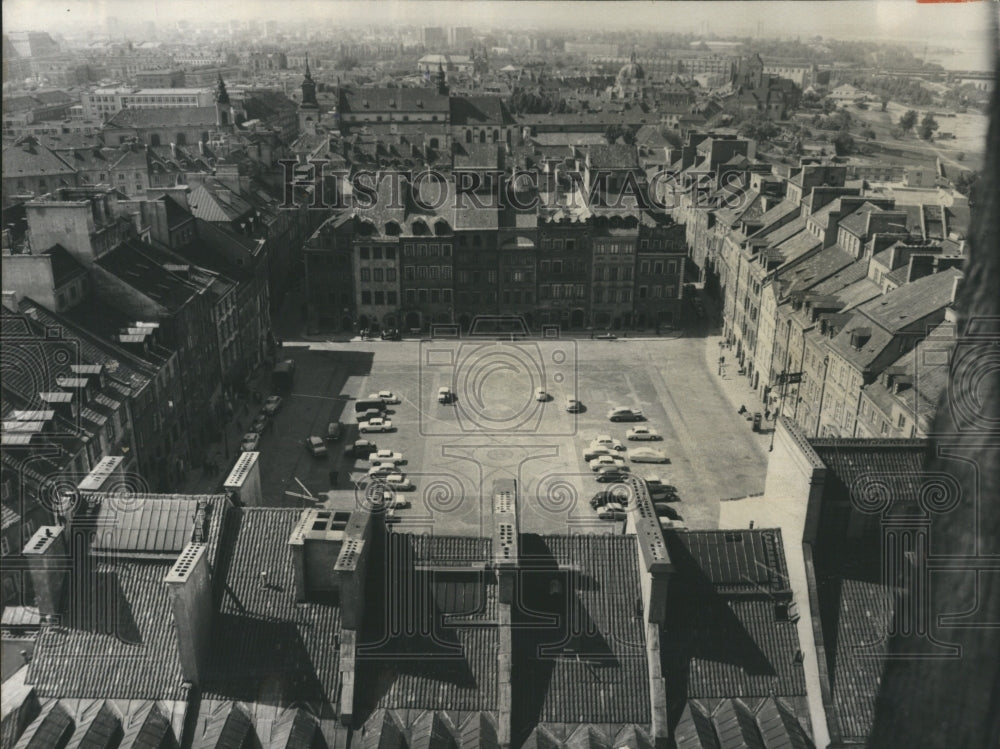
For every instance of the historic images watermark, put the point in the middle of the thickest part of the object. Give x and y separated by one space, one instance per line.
316 186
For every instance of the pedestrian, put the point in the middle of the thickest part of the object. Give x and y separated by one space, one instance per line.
767 414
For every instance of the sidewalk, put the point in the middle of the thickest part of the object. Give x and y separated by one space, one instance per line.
202 481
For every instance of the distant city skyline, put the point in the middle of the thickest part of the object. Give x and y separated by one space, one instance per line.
901 20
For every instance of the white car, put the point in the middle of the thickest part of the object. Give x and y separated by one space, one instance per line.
381 469
272 404
445 395
375 425
573 405
608 441
606 461
386 396
648 455
400 483
250 442
386 455
642 433
316 446
540 395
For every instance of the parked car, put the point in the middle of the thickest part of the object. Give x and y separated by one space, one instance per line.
360 449
386 396
316 446
648 455
445 395
381 469
259 422
612 474
603 461
664 510
272 404
334 431
619 494
608 441
398 482
611 511
621 413
668 524
391 334
607 337
595 451
659 490
643 434
371 413
250 442
540 395
375 425
386 455
573 406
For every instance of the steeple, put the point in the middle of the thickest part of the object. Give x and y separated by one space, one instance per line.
442 80
309 88
221 95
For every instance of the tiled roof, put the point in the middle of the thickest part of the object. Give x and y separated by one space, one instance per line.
394 99
479 110
476 155
727 632
587 663
214 201
783 232
161 118
450 660
740 724
857 222
31 159
141 266
262 639
912 301
121 646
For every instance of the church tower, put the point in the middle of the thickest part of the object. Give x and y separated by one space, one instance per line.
309 108
223 107
442 81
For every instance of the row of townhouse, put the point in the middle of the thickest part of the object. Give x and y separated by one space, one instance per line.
186 295
826 293
550 255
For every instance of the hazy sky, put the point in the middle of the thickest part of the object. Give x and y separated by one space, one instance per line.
901 19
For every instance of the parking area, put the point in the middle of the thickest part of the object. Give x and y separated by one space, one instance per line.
495 427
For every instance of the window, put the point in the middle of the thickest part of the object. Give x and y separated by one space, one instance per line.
422 296
422 272
411 296
379 297
491 276
390 297
435 272
557 244
363 253
366 274
446 272
390 274
390 253
544 266
435 250
377 274
644 267
580 292
626 295
643 292
671 267
4 546
644 244
407 250
570 244
902 421
657 292
408 273
446 295
658 268
446 250
376 253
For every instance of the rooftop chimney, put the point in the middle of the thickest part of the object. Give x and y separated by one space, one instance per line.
49 565
505 537
189 585
655 566
243 485
329 554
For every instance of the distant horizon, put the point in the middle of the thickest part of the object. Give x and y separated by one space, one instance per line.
899 21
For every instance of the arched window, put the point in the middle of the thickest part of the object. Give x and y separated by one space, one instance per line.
420 228
441 227
392 229
468 135
181 139
482 136
434 143
154 139
496 136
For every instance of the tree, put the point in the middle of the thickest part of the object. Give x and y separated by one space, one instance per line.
843 143
927 126
757 127
868 134
908 120
613 133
